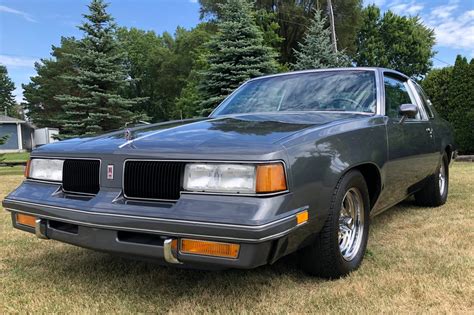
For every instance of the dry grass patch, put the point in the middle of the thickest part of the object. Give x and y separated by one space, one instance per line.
418 260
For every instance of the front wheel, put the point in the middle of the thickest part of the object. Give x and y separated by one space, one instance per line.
340 246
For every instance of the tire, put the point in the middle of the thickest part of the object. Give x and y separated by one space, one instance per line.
435 192
326 256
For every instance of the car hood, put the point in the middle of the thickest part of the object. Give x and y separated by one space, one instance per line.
247 131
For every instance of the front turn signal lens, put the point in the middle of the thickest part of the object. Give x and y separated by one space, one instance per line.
27 168
27 220
270 178
208 248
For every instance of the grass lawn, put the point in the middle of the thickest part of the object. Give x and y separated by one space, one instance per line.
12 170
418 260
16 157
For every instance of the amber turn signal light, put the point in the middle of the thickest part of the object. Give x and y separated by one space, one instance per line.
302 217
208 248
27 169
27 220
270 178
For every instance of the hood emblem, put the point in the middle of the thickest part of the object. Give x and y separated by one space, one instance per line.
128 135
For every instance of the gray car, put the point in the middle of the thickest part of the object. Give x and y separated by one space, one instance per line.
291 162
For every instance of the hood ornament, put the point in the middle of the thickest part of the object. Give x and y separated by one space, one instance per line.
128 135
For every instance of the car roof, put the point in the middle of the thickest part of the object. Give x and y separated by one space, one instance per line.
376 69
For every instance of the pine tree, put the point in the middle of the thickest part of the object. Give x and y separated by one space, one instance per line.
237 53
316 52
7 100
101 76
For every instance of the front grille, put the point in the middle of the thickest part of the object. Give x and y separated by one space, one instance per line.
81 176
153 179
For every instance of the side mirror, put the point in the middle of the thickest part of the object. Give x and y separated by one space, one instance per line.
407 111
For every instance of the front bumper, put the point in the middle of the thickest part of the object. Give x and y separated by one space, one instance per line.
147 237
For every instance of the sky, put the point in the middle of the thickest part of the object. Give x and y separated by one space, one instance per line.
28 28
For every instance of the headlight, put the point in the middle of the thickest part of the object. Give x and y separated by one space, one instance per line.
234 178
46 169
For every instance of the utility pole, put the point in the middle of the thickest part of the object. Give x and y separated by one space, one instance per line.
332 26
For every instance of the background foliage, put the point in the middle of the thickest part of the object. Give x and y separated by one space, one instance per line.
83 88
7 100
451 92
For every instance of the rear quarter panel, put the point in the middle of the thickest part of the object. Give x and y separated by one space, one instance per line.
443 134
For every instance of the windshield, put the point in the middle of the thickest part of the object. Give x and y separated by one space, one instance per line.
347 90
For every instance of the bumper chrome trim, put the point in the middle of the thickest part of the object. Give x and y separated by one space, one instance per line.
247 227
168 252
40 229
118 228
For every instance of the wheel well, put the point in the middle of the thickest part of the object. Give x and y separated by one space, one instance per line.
449 152
372 179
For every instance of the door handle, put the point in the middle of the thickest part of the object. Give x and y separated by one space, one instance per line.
430 131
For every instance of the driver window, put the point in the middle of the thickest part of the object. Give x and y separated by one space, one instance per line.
396 94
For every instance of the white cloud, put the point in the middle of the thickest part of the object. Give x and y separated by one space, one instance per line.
406 8
453 27
25 15
193 1
17 61
453 21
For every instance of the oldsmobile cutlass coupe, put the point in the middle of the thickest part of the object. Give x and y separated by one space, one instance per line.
291 162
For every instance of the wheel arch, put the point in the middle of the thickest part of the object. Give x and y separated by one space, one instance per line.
449 151
373 179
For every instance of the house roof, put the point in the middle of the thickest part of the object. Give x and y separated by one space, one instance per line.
11 120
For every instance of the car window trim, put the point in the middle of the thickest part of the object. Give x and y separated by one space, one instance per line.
416 101
411 94
422 95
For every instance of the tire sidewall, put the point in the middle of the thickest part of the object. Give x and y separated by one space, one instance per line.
443 197
350 180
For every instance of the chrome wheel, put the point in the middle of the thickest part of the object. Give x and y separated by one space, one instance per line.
442 179
351 224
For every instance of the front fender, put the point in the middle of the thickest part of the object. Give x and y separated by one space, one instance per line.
320 157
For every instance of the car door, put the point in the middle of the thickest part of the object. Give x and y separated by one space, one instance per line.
410 143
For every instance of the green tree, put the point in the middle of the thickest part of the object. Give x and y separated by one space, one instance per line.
189 101
461 103
41 105
393 41
294 17
436 86
450 91
315 51
161 66
101 77
7 100
3 140
147 53
237 53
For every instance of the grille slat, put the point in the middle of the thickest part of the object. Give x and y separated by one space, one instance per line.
159 180
81 176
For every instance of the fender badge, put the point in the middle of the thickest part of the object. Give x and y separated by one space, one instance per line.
110 171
